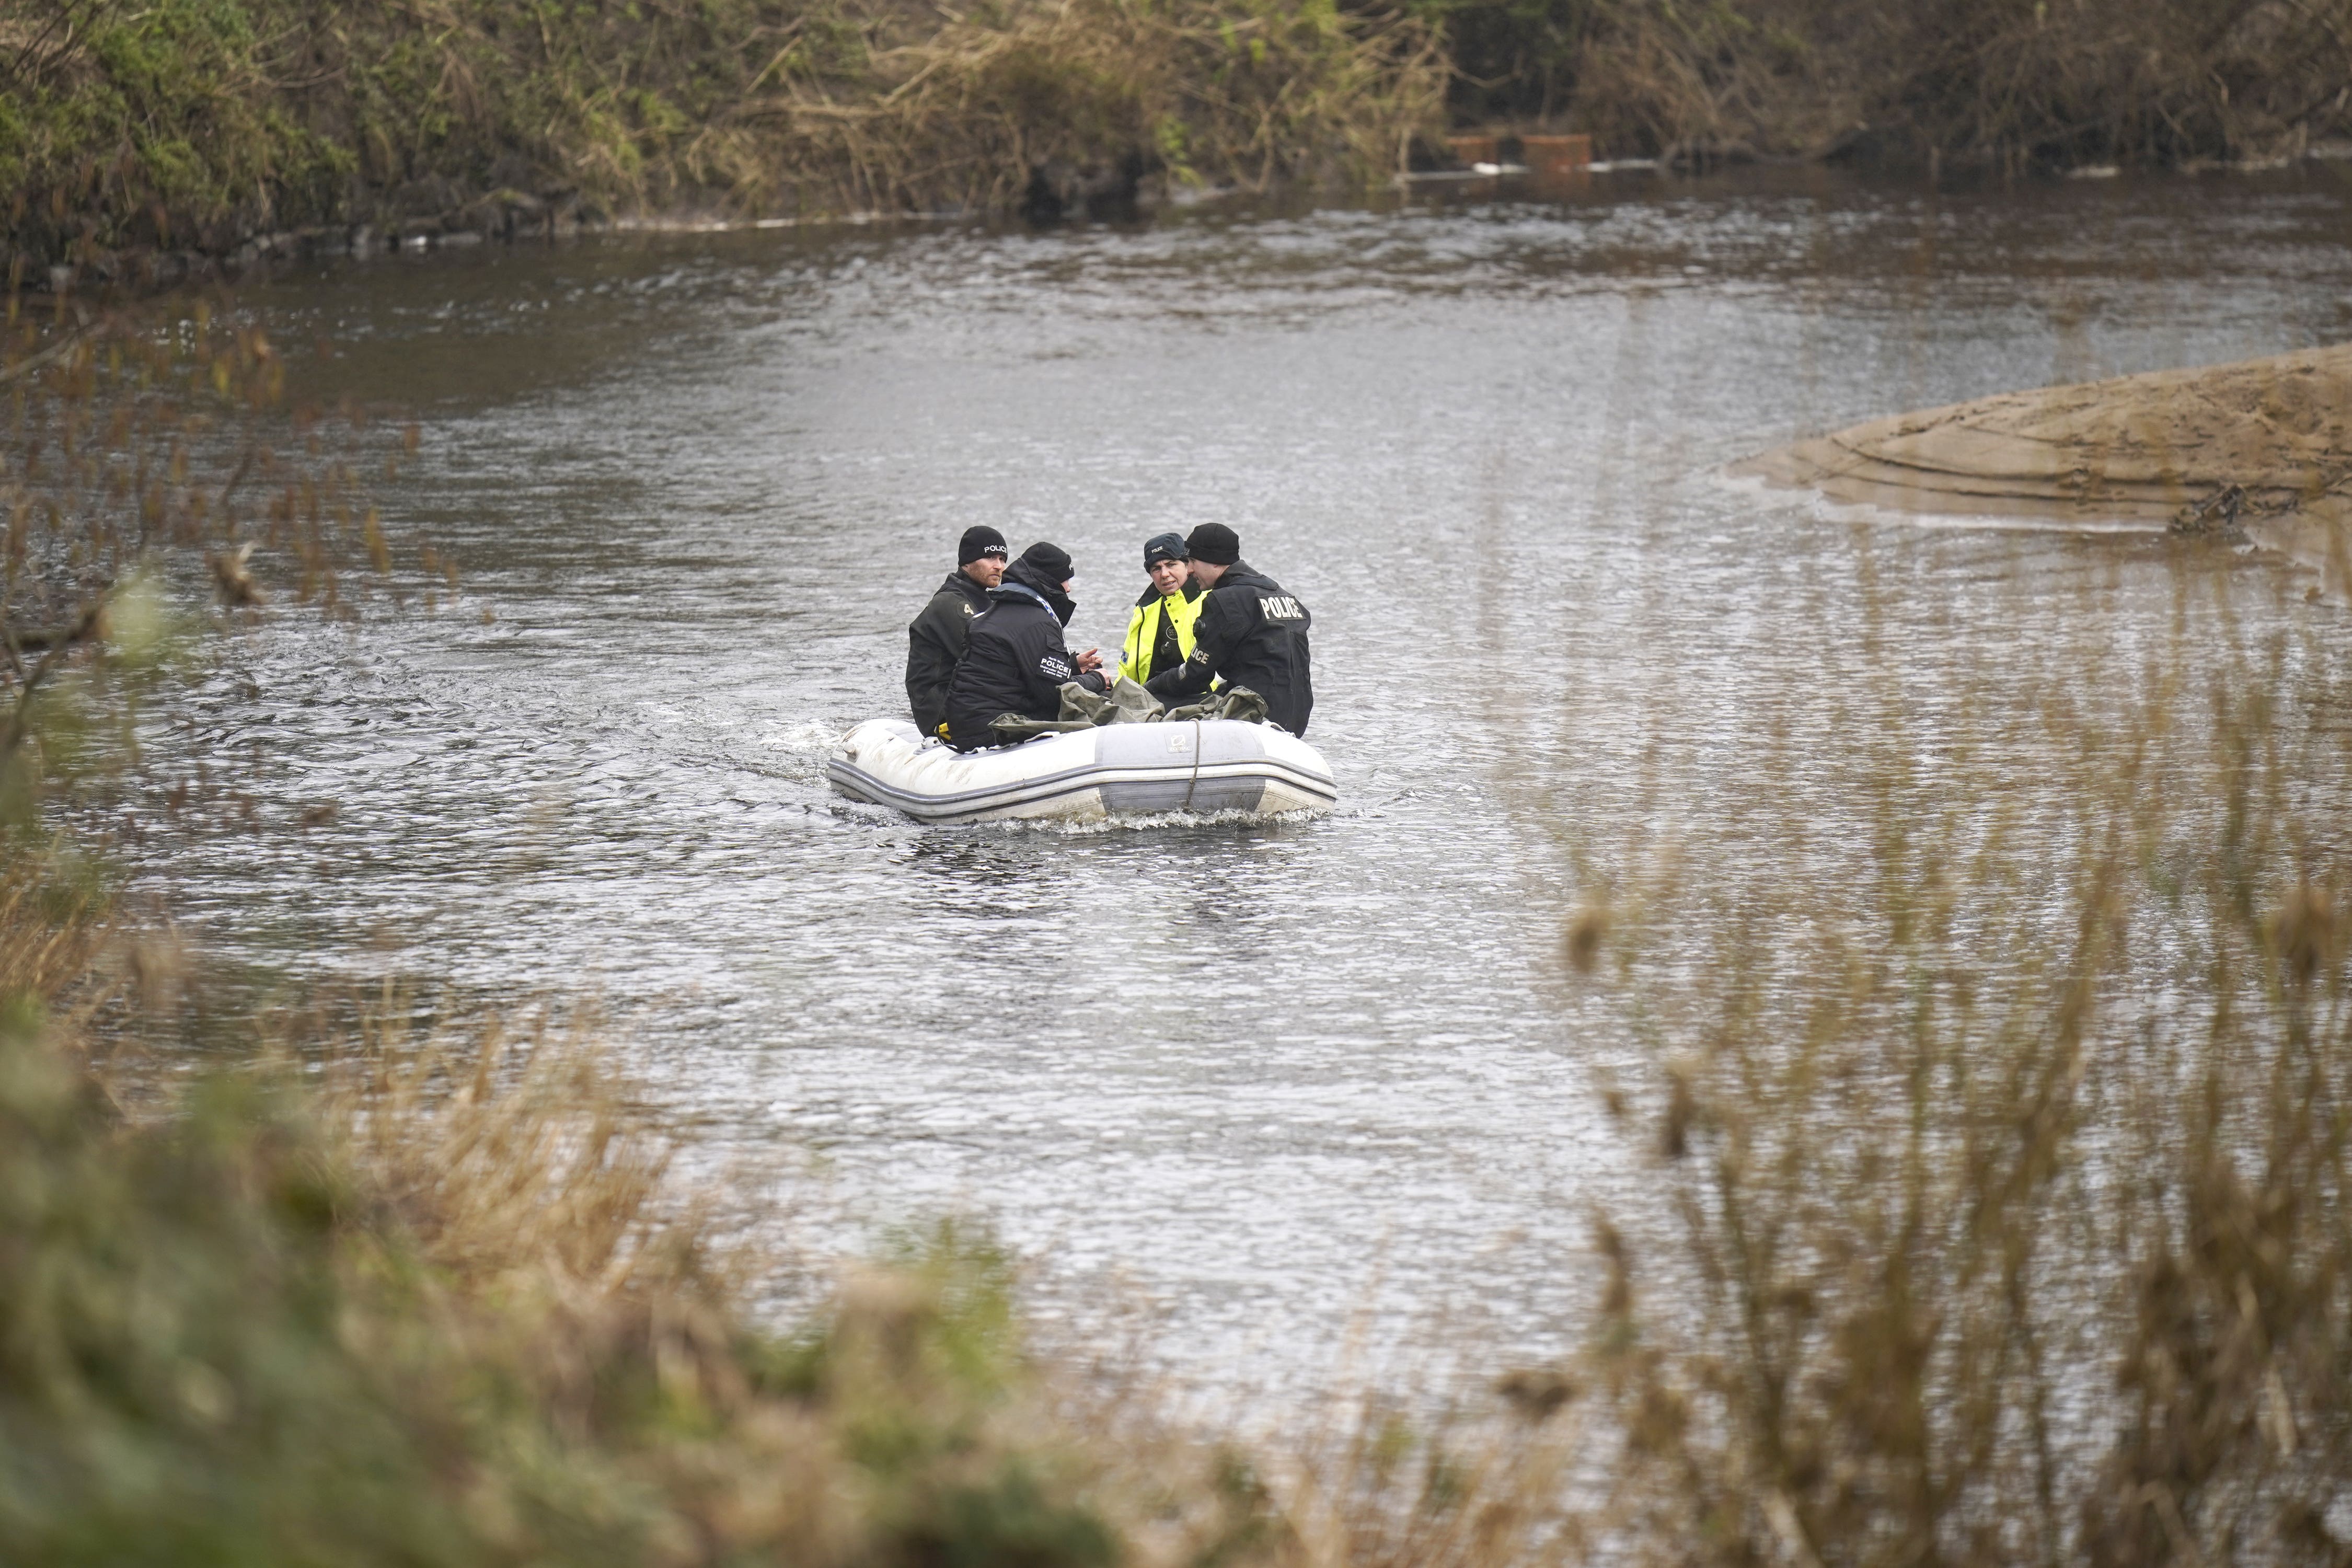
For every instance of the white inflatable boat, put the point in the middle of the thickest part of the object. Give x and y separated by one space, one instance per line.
1196 765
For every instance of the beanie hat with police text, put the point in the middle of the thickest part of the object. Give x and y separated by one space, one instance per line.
979 540
1162 547
1214 543
1050 562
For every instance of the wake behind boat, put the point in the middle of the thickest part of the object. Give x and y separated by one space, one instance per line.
1199 765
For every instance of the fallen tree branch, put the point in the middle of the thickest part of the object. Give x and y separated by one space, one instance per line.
49 355
35 640
83 628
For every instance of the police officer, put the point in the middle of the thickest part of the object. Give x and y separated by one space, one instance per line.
1248 633
1014 660
935 640
1159 631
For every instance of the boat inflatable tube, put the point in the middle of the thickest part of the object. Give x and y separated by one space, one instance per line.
1196 765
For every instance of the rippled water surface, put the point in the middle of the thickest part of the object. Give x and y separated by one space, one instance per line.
1276 1074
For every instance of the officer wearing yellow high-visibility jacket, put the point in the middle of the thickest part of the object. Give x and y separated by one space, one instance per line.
1159 631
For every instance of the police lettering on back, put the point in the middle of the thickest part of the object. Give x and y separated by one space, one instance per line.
1209 619
1248 632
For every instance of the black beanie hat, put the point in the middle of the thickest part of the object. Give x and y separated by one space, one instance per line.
1214 543
1050 562
1162 547
979 540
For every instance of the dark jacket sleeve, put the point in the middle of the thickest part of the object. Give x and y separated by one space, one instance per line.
1224 621
1047 671
934 643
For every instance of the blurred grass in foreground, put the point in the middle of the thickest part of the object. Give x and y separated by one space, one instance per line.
2001 1101
425 1307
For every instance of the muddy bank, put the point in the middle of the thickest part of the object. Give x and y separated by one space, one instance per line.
2261 449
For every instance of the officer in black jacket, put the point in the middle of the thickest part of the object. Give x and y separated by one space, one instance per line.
1250 632
1016 660
935 640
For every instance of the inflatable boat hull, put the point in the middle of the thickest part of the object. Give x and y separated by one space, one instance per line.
1200 765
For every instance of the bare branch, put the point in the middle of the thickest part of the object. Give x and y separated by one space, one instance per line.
83 628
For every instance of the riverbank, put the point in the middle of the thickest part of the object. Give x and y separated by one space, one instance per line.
211 129
2261 449
189 136
2011 86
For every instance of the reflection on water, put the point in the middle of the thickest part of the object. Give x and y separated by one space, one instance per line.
1274 1073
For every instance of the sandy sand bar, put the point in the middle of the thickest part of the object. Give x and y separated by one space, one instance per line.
2166 448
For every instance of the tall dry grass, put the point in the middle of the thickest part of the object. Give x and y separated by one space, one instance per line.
998 107
2008 82
199 123
1998 1108
202 124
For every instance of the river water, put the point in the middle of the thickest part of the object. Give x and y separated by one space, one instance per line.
1308 1086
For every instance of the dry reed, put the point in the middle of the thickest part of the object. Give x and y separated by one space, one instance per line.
196 124
2003 81
199 124
2004 1127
